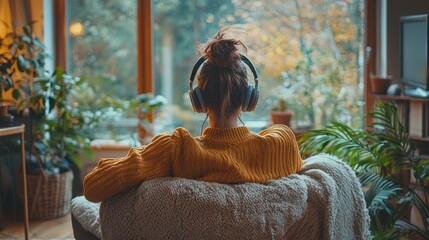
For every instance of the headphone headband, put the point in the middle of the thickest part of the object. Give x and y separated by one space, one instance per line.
243 58
250 97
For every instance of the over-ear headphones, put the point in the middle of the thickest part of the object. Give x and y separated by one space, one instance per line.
250 98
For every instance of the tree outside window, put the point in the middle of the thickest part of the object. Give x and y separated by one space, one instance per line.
312 47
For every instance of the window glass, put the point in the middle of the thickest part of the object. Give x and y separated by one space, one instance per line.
102 43
308 51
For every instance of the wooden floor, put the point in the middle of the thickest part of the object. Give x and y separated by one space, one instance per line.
59 228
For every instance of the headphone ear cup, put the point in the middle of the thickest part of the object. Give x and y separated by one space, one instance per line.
253 100
194 101
197 100
247 98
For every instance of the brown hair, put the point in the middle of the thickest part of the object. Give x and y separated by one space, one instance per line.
223 77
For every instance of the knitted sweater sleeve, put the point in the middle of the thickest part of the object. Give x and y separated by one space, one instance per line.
115 175
291 161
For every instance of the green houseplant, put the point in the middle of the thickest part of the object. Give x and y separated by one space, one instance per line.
381 157
59 135
49 97
57 127
22 59
64 128
6 72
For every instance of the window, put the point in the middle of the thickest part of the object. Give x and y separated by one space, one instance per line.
103 43
310 51
102 46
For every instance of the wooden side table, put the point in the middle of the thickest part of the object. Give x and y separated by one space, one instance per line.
7 131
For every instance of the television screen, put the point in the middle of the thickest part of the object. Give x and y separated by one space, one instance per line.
414 51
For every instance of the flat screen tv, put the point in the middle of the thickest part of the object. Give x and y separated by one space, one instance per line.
414 53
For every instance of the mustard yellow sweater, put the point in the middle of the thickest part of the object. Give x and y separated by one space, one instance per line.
233 155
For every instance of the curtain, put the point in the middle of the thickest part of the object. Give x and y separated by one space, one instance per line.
14 14
5 17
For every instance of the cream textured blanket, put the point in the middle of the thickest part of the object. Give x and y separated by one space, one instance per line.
323 201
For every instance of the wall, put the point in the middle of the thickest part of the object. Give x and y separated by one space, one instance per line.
395 9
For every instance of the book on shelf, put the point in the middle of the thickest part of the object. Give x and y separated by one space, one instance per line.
402 114
416 126
426 119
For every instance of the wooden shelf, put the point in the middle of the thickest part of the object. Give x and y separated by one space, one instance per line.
407 102
400 98
6 131
419 138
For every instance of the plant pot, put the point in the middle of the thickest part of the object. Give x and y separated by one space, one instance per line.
379 85
49 196
278 117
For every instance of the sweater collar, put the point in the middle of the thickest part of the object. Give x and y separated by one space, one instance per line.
226 134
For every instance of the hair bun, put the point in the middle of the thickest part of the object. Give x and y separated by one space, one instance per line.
222 51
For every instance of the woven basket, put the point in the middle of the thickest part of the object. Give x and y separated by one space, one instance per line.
49 196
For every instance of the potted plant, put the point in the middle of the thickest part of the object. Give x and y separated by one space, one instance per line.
280 113
379 84
6 71
57 128
380 158
61 132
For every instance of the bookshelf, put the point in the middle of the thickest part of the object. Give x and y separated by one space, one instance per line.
414 115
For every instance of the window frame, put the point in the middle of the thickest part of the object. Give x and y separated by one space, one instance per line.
370 66
144 41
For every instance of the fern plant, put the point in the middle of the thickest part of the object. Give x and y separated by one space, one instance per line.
379 156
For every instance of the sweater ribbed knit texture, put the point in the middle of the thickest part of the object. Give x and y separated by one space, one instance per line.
224 155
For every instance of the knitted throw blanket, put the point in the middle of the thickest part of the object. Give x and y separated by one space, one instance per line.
323 201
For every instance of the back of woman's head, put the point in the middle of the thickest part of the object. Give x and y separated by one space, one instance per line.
223 77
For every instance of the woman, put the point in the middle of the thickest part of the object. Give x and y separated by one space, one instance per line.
224 153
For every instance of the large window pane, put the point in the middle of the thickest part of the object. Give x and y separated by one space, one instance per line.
102 50
310 51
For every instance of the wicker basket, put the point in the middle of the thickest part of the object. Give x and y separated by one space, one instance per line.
49 196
